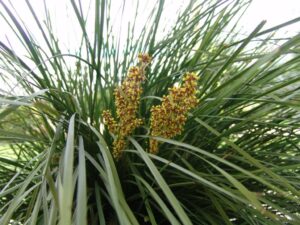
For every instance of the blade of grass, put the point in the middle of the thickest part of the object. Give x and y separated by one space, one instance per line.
66 190
81 215
163 185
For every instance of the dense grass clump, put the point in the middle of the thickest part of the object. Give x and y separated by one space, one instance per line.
205 133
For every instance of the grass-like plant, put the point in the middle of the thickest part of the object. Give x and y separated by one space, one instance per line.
231 158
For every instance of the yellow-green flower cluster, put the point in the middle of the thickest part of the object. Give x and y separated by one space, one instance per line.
167 120
127 99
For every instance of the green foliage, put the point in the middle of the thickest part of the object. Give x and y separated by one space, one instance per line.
237 161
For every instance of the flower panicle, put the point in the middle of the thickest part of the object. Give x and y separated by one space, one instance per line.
168 119
127 100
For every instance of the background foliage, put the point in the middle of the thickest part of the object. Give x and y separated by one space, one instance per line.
237 161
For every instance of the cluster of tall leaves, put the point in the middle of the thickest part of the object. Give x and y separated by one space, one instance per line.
237 161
